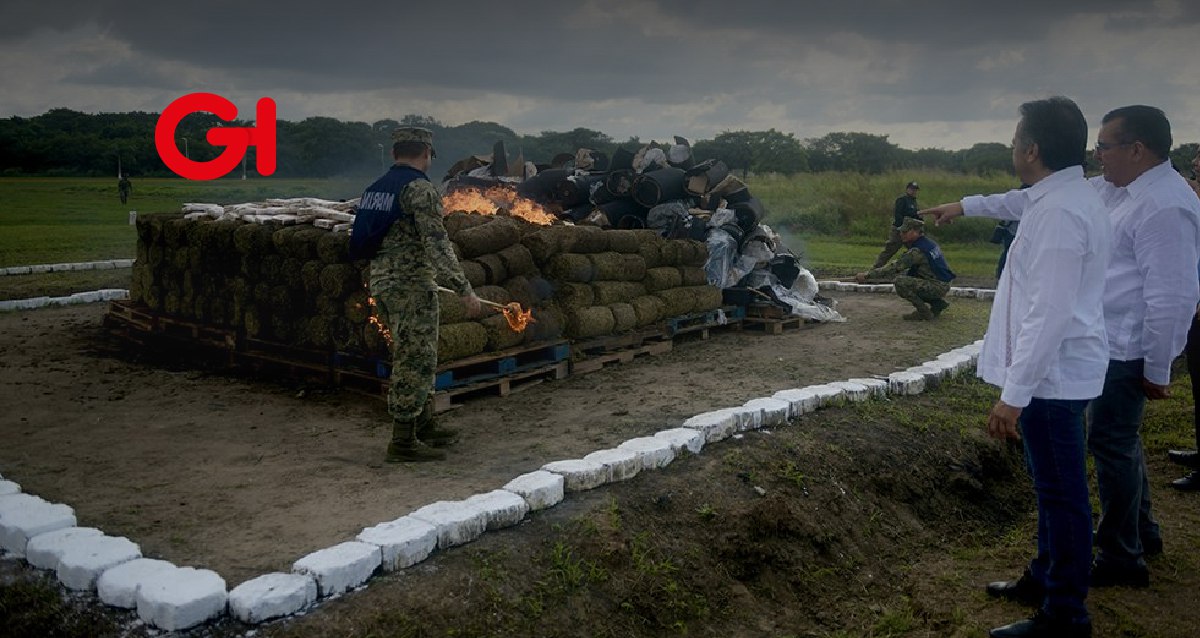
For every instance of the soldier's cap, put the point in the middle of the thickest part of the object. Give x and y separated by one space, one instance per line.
913 185
413 134
912 223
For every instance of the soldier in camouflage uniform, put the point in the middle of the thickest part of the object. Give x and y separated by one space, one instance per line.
920 274
414 254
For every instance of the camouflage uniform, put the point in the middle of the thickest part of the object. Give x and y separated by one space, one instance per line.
415 255
915 282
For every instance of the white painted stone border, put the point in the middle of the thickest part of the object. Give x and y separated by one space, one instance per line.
182 602
70 300
37 269
849 286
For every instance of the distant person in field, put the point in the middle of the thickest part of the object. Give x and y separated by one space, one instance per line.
1191 458
921 275
906 208
124 187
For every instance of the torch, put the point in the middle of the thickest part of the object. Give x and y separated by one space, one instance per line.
516 316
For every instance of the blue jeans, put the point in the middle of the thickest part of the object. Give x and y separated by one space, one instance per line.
1114 420
1053 433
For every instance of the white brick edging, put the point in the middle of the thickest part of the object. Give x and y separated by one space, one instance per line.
173 598
94 296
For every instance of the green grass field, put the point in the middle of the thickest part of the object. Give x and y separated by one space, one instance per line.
838 221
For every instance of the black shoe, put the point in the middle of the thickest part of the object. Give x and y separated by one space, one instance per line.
1107 576
1043 626
1025 590
1186 458
937 306
1189 483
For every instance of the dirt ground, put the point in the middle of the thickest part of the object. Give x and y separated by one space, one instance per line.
244 475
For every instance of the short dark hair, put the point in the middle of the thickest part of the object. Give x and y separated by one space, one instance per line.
408 149
1059 129
1145 124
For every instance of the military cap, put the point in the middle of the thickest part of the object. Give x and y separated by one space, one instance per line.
912 223
912 185
413 134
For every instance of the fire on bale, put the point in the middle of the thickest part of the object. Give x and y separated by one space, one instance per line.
492 200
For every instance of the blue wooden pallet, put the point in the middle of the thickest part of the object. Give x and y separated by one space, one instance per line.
702 320
498 364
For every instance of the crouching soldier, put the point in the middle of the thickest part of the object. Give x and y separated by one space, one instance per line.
920 274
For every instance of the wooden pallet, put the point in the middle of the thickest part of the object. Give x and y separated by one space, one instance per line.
776 326
500 386
599 361
146 328
492 365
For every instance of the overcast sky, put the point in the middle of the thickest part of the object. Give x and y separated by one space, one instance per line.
938 73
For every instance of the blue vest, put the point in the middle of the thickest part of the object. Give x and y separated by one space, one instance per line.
933 254
379 208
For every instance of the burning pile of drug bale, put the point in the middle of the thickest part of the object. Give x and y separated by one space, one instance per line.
279 272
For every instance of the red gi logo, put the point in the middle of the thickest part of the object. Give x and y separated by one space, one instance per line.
236 139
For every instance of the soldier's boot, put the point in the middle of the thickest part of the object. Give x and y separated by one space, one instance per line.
429 432
923 313
937 306
406 448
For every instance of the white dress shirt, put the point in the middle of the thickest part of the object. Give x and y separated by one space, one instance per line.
1046 335
1151 290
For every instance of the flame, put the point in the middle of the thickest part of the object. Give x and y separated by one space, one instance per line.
517 318
490 201
379 325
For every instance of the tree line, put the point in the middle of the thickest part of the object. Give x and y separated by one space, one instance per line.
64 142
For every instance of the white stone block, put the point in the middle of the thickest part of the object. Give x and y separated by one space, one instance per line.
772 412
947 368
104 265
682 439
179 598
877 388
828 395
579 474
119 586
122 263
619 464
855 392
403 542
501 508
38 269
906 383
541 489
962 292
457 522
716 425
652 452
23 516
9 487
846 286
827 284
83 560
933 376
883 288
272 596
985 294
340 568
800 401
749 417
44 550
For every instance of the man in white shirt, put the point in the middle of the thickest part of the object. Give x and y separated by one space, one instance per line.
1149 299
1046 349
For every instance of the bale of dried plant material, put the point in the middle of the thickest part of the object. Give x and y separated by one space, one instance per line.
571 296
625 241
310 274
252 239
549 322
333 248
571 267
493 267
624 317
677 301
612 266
346 335
282 240
253 323
450 308
292 274
707 298
518 261
140 280
692 276
317 332
356 308
662 278
326 305
289 329
475 273
499 334
611 292
549 241
695 253
156 256
374 343
672 252
339 280
592 321
175 232
496 235
651 254
458 340
270 268
457 222
522 291
590 239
